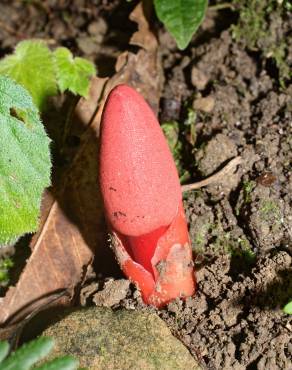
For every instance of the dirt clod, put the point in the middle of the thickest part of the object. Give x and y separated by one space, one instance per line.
204 104
198 78
112 293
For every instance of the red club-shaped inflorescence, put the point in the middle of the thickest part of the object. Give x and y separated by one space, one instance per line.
143 201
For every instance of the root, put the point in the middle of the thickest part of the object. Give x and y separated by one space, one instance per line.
228 170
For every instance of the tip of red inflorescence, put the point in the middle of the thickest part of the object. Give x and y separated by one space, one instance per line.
138 177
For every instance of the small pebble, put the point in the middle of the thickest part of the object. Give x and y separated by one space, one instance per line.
99 27
86 45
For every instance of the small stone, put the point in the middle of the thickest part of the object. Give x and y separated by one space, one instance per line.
59 30
86 45
204 104
103 339
98 27
199 79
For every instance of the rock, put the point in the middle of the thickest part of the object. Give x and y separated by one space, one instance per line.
104 339
198 78
204 104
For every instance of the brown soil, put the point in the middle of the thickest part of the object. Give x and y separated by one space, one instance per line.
240 229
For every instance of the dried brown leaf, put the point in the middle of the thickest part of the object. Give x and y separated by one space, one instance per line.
143 37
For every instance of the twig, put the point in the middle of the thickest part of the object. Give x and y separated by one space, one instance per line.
221 6
217 177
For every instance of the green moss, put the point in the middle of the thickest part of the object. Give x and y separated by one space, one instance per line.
5 265
251 19
245 196
260 28
240 248
248 187
124 340
269 210
172 133
224 243
246 250
200 238
189 124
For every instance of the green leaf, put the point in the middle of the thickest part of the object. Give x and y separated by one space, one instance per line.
73 73
43 72
181 18
288 308
32 66
61 363
28 354
24 162
31 353
4 349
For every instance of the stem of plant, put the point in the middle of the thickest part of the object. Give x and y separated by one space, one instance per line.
143 200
